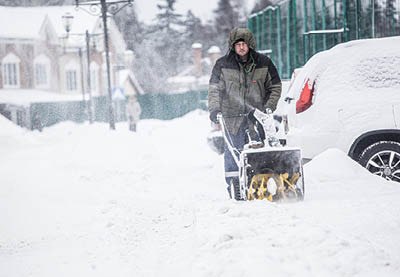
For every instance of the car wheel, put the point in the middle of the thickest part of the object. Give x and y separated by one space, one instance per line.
383 159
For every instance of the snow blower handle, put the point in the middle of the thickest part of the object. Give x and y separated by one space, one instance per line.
267 122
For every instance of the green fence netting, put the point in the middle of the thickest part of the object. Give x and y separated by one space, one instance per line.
156 106
294 30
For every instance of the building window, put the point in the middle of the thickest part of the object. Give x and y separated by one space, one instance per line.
72 83
72 76
94 76
42 71
10 71
40 74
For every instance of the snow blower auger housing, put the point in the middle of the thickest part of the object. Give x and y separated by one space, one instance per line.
267 170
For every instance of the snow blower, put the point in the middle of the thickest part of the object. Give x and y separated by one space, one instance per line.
267 170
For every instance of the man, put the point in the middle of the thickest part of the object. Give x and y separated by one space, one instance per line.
241 81
133 111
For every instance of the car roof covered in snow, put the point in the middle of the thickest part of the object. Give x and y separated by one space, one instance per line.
355 65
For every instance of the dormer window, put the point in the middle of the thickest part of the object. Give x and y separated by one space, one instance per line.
42 71
10 71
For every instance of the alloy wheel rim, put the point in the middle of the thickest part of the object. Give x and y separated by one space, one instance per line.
385 164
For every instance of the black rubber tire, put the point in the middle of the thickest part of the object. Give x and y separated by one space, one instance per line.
381 147
235 189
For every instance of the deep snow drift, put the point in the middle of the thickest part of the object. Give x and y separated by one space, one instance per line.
81 200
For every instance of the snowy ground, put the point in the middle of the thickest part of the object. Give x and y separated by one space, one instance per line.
80 200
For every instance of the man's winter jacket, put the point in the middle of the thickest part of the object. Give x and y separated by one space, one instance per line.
236 88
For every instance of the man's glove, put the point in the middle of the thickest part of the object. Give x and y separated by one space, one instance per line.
214 116
268 111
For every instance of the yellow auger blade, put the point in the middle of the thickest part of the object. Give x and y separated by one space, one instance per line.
258 188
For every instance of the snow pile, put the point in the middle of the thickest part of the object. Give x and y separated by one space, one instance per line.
7 128
11 135
334 168
321 167
81 200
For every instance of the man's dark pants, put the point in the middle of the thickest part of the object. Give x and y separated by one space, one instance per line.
231 168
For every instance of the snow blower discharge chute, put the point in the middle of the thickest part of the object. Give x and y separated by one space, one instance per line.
267 170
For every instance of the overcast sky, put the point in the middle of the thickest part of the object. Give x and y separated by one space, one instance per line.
147 9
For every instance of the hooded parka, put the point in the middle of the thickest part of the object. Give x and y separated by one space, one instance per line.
236 88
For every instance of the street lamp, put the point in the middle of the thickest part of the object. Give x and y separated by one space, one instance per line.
67 22
103 7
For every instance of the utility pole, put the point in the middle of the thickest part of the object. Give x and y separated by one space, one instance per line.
89 84
111 104
82 82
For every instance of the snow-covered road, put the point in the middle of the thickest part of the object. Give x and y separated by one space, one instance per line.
80 200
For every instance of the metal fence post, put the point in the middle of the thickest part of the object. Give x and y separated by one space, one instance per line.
305 37
393 21
335 15
270 32
313 25
344 20
250 24
373 18
296 62
357 19
264 31
278 21
323 24
258 31
288 65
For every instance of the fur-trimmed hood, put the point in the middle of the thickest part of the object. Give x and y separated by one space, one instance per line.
242 33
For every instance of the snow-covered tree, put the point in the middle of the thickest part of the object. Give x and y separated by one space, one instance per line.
261 4
167 18
227 17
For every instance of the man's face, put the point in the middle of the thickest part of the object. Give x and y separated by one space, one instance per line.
241 48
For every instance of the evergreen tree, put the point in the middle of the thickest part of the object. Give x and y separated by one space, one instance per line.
167 18
130 27
160 50
193 27
226 18
261 4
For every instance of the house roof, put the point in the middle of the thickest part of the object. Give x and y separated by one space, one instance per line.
26 22
31 20
127 74
15 24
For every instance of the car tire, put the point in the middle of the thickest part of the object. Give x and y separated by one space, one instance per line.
383 159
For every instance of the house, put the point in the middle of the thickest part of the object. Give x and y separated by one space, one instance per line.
39 57
196 76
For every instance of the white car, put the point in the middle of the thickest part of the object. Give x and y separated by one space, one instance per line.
348 97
